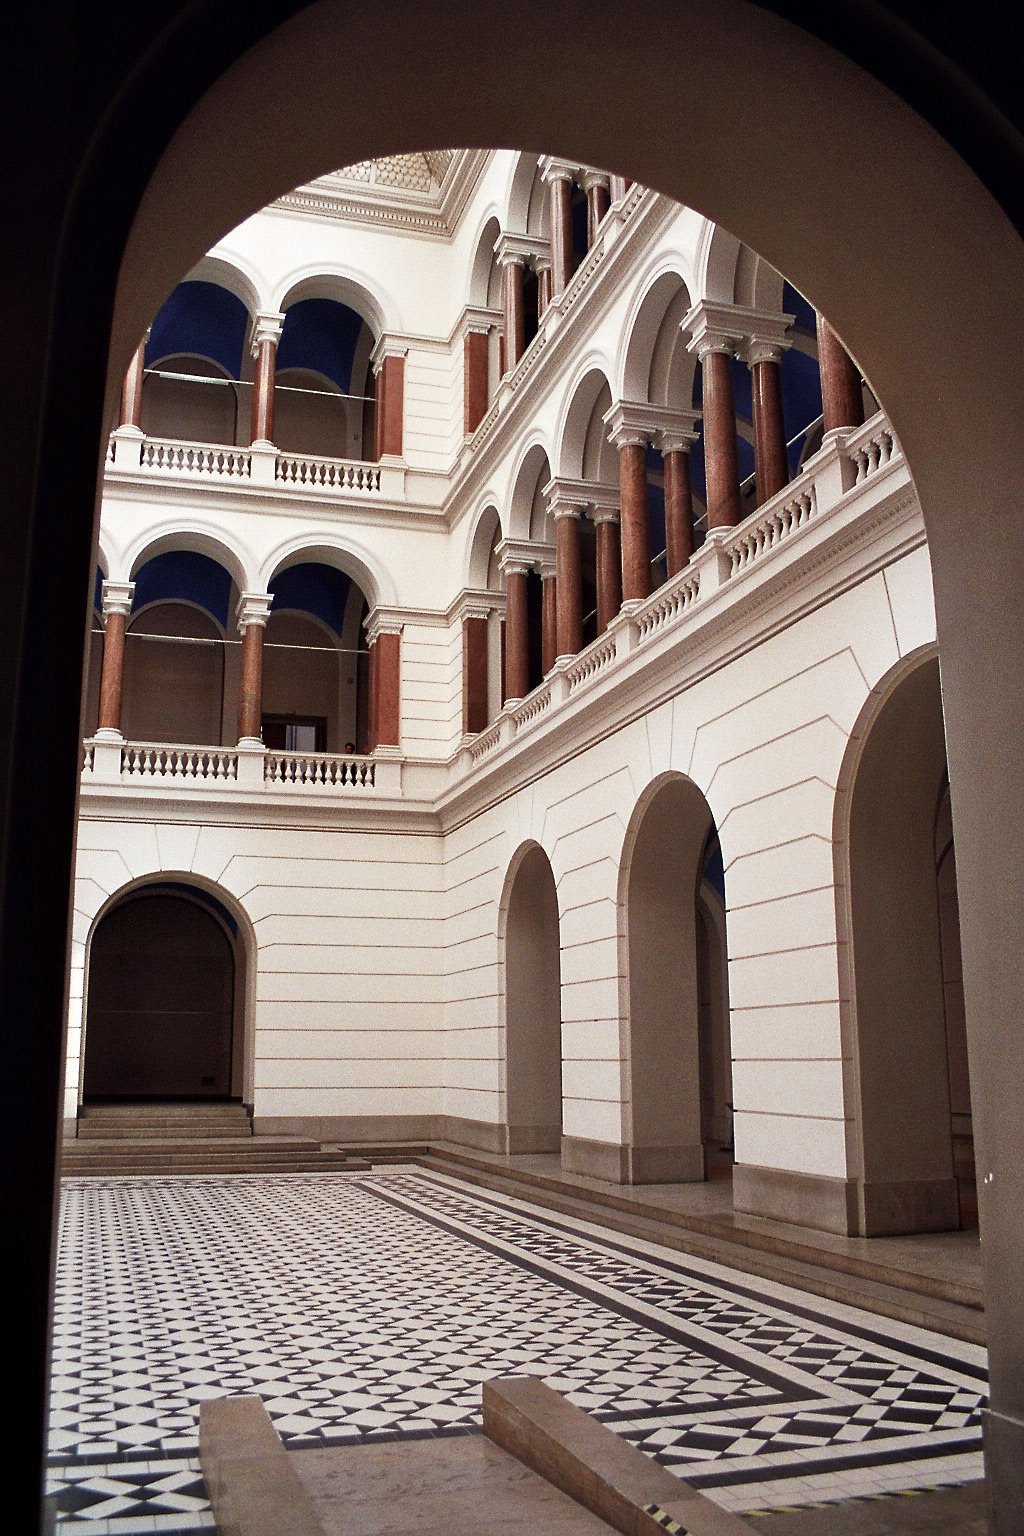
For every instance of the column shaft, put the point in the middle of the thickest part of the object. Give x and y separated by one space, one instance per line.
512 305
263 392
378 411
474 363
721 463
393 405
678 510
609 572
373 709
389 662
569 629
543 289
474 675
517 636
112 672
636 538
770 459
597 207
250 691
842 402
548 621
560 195
131 390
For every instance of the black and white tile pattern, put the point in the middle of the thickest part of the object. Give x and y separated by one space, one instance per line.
373 1306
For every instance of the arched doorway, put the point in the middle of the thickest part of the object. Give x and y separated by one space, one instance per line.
163 996
908 1031
676 998
533 1006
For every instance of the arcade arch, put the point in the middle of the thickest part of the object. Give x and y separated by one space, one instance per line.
529 947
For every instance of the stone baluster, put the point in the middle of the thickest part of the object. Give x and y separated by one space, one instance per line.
266 334
116 607
252 614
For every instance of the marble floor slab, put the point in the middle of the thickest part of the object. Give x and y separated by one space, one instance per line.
371 1307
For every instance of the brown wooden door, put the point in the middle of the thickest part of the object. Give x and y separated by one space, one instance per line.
161 1002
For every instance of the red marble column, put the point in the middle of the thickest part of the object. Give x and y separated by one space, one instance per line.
609 568
517 633
634 524
474 674
770 461
548 619
250 693
569 584
512 307
387 676
378 411
117 606
560 224
372 704
721 462
597 205
474 376
543 285
263 389
131 390
392 404
678 508
842 402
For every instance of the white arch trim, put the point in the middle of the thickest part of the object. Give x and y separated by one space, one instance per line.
347 285
191 534
353 558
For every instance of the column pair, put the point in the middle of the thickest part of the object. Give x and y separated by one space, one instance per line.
632 427
514 253
518 560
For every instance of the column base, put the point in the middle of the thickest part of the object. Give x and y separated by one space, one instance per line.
1004 1471
616 1163
109 733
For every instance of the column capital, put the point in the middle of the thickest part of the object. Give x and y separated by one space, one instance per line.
253 608
520 556
117 597
266 326
553 168
732 328
767 338
566 498
473 603
476 320
592 177
387 346
674 431
629 424
513 250
383 621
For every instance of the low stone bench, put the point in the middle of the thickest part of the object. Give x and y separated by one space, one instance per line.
253 1487
596 1467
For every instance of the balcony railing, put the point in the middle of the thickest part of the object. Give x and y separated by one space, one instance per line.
108 759
842 467
256 466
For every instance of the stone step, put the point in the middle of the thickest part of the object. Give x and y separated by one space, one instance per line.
162 1121
904 1299
112 1165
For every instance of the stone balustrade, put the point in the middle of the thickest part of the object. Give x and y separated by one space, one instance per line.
109 760
261 465
830 480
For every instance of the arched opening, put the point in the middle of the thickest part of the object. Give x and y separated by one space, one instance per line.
315 662
194 363
177 669
912 1087
323 389
533 1006
676 991
164 998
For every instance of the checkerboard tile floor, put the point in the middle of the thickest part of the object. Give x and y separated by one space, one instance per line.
373 1306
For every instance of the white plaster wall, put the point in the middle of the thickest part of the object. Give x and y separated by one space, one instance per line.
348 924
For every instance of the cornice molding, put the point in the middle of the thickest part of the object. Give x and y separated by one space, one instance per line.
436 214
